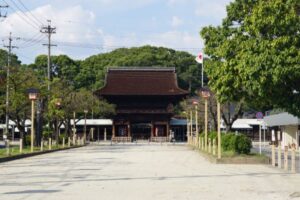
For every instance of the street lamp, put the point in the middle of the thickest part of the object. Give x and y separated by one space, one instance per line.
85 113
33 95
58 106
195 103
205 93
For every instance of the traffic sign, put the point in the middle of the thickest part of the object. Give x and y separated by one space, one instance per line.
259 115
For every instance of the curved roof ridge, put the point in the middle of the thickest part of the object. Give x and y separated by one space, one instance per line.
142 69
141 81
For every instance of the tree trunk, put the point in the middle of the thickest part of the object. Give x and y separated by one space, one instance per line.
230 120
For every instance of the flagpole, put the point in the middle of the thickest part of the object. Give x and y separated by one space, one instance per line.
200 59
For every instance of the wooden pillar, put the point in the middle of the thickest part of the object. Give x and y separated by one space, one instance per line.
152 129
129 129
191 124
187 127
206 122
196 119
293 159
219 130
21 145
214 147
273 155
113 130
286 151
105 135
279 155
168 129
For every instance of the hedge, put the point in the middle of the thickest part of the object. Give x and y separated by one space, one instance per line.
240 143
237 143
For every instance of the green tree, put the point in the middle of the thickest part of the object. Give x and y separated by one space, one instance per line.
72 101
93 69
254 54
19 111
62 67
3 59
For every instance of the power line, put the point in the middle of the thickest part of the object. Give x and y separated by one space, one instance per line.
24 13
32 15
25 19
36 39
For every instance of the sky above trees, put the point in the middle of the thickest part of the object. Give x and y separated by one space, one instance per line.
90 27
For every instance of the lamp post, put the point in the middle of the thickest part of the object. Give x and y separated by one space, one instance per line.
205 93
58 106
191 126
85 113
219 129
33 95
187 124
195 103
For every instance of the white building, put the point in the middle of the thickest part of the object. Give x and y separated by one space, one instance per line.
286 128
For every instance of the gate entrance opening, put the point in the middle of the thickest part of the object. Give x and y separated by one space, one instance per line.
141 131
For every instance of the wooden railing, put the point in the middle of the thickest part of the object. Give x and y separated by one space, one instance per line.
159 139
121 139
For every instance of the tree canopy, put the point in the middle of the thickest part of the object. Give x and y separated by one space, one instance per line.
90 73
254 55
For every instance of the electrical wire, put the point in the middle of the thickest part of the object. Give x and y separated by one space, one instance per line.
33 16
24 13
21 17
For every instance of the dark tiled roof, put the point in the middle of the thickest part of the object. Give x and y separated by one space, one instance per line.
141 81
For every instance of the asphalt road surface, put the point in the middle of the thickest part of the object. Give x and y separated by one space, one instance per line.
140 172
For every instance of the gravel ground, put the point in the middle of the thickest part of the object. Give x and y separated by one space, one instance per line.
140 172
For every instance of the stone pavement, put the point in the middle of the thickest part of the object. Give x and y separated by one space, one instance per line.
140 172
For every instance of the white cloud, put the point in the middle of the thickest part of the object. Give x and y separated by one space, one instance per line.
213 8
174 2
74 25
178 40
176 21
172 39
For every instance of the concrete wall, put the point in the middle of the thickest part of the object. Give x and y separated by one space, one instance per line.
290 135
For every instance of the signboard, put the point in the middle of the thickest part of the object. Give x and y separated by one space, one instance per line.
259 115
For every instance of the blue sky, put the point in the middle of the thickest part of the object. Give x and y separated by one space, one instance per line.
88 27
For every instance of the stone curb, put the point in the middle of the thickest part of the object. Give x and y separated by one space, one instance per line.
237 160
26 155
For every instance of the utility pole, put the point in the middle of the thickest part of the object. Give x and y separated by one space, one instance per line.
9 47
49 30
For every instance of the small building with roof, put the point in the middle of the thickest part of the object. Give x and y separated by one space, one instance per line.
286 128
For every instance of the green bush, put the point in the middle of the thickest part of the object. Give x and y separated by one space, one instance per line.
27 139
212 135
240 144
61 136
201 135
47 133
243 144
228 143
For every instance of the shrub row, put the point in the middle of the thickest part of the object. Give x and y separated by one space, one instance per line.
237 143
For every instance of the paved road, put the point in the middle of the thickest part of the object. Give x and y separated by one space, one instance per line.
140 172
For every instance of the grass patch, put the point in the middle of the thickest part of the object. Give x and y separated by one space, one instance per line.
232 154
15 150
